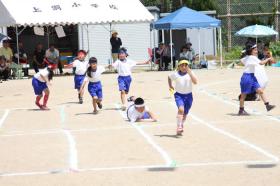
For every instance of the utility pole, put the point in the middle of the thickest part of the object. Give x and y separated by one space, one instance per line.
277 18
229 25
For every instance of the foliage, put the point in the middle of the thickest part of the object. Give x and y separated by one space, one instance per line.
275 49
172 5
234 53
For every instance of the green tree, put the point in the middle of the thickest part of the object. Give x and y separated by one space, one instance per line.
172 5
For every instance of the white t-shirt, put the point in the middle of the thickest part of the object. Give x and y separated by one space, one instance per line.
183 83
252 65
44 72
124 67
81 67
95 76
133 115
250 62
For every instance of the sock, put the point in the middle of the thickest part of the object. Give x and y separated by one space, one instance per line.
266 104
38 98
179 120
241 108
183 122
46 97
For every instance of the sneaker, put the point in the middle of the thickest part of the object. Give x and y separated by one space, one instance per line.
95 112
99 105
180 130
44 107
38 104
243 113
270 107
131 98
123 108
81 100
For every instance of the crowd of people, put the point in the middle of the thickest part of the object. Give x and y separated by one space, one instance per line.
13 60
163 56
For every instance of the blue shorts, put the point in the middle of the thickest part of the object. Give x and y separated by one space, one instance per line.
248 83
146 116
78 80
124 83
38 86
184 100
95 89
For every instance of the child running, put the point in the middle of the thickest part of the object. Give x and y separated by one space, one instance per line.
40 82
138 111
249 82
124 65
80 66
184 78
94 86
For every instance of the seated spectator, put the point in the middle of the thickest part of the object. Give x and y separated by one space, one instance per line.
188 52
52 57
203 62
21 58
38 58
159 56
166 56
4 69
6 51
268 54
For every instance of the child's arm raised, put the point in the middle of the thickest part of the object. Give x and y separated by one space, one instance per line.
143 62
193 78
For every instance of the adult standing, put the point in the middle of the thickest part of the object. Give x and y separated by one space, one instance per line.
116 44
38 57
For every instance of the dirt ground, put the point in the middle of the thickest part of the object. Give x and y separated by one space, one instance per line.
68 145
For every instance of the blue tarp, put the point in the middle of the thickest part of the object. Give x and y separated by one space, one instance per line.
186 18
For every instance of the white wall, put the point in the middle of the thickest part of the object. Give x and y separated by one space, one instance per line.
135 37
207 40
3 30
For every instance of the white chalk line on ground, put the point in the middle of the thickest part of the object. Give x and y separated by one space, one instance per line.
225 133
222 163
228 102
5 115
73 154
140 167
57 131
241 141
163 153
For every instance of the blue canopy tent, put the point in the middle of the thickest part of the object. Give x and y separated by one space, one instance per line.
184 18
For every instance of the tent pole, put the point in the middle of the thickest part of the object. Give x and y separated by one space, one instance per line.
155 45
82 30
162 36
88 41
199 45
17 71
171 51
110 59
17 34
151 45
48 37
221 47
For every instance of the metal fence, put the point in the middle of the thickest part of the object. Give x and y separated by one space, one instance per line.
236 14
